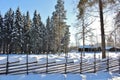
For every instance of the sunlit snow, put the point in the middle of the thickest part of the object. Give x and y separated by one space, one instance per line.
73 56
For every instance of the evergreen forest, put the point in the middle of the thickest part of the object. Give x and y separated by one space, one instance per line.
19 33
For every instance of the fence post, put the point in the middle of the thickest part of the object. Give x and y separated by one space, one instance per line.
7 68
119 63
108 63
65 62
7 64
81 63
94 61
27 63
47 62
65 66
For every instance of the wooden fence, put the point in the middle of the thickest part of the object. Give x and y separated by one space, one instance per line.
109 64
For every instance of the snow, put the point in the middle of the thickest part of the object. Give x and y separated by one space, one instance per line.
33 77
99 76
72 57
89 76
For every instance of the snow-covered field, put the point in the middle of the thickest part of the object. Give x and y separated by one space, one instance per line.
73 56
90 76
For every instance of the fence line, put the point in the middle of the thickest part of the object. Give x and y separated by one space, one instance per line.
63 68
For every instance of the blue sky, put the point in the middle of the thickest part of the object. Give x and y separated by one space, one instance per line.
44 7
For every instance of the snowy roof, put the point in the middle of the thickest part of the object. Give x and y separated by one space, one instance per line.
108 47
88 46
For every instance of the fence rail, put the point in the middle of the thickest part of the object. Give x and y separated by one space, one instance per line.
109 64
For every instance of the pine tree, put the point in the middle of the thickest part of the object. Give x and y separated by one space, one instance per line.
17 32
26 30
44 37
49 35
33 33
59 25
36 34
66 40
54 32
41 34
8 23
50 27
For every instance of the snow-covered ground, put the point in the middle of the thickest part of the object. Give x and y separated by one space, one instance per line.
73 56
89 76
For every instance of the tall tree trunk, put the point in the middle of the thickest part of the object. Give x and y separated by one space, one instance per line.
83 25
102 29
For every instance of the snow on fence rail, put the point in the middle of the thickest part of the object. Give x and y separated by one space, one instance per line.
63 67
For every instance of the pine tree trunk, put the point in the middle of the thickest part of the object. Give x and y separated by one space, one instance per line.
83 25
102 29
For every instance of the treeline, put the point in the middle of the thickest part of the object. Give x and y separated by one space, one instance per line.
21 34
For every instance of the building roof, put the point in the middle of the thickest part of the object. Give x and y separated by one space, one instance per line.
108 47
88 46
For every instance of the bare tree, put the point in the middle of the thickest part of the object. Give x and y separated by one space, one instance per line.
83 5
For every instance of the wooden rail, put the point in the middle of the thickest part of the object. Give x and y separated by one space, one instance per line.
112 65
